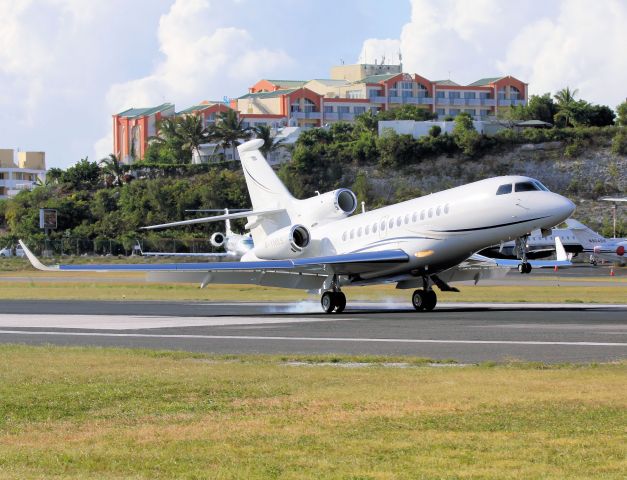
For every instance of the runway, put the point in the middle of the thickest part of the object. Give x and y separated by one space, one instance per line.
467 333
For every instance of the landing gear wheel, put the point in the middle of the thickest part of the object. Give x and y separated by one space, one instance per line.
340 302
418 300
430 300
328 302
524 267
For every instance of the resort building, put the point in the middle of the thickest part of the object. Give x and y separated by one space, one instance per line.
133 127
351 91
15 177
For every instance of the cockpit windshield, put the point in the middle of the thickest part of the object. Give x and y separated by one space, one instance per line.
541 186
526 187
504 189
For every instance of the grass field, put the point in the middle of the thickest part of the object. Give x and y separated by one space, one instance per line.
84 413
119 287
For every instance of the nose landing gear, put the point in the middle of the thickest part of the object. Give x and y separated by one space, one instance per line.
521 252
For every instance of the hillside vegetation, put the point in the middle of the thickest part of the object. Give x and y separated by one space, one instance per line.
101 203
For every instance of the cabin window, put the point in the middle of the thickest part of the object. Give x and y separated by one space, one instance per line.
352 234
414 217
399 221
422 215
344 237
367 230
382 225
430 212
446 209
526 187
359 232
391 223
374 228
406 219
438 210
504 189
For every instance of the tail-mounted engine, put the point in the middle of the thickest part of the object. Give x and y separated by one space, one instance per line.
288 242
217 239
333 205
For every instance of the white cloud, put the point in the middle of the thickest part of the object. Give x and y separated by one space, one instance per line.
583 47
201 59
547 44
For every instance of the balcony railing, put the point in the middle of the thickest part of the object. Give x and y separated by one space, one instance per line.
312 115
331 116
442 101
377 99
349 117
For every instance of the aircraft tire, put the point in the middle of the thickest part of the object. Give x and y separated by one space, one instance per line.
340 302
328 302
528 268
418 300
431 300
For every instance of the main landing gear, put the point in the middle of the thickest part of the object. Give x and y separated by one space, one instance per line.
424 300
331 301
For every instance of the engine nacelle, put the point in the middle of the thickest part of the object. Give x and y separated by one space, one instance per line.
333 205
288 242
217 239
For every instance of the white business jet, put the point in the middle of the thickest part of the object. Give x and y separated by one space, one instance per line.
234 244
597 246
314 244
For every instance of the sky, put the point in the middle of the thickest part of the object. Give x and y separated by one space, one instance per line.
66 66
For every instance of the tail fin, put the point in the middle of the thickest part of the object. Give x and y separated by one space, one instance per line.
227 225
266 191
264 187
583 233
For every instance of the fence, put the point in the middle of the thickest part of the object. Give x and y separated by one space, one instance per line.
110 246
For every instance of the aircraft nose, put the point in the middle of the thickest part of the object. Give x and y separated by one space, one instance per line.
565 207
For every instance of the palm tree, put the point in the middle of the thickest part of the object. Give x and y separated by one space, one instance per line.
264 132
112 167
230 130
566 104
191 131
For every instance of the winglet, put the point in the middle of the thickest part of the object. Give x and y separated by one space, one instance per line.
35 261
560 251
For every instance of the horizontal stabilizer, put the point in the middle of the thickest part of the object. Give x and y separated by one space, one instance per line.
217 218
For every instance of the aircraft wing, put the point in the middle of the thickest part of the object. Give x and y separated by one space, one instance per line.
561 260
345 264
217 218
208 254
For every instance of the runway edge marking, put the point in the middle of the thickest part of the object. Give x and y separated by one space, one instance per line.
315 339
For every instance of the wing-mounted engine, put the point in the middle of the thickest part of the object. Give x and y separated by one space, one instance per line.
288 242
217 239
333 205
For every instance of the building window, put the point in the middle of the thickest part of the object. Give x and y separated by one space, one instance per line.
453 111
353 94
309 106
343 109
359 110
440 94
374 93
470 95
440 111
484 95
328 109
454 94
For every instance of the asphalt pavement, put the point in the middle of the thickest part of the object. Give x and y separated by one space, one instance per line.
467 333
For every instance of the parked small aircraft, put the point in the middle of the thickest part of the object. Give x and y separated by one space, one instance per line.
597 246
315 243
538 244
235 245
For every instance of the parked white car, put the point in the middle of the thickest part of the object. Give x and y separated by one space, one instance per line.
8 252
